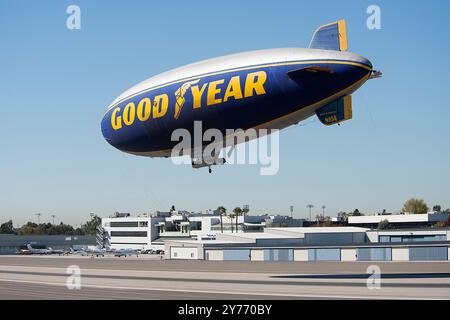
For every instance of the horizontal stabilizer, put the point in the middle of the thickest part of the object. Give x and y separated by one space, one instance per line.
337 111
331 36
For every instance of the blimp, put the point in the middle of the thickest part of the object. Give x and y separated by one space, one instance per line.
265 89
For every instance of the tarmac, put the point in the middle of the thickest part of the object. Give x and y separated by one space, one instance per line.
149 277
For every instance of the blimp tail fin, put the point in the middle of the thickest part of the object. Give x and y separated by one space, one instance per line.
337 111
331 36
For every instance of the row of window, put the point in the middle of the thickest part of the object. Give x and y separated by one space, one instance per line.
413 238
334 254
128 224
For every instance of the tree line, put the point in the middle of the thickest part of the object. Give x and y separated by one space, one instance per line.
31 228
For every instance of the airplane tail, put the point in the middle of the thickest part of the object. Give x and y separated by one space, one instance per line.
331 36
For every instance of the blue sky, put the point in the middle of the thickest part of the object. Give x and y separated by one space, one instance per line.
56 84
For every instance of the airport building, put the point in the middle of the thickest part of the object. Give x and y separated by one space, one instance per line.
209 236
123 231
318 244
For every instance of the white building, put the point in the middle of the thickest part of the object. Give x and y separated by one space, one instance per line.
399 220
130 232
151 231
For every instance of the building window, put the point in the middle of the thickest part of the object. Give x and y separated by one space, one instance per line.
374 254
412 238
128 233
143 224
123 224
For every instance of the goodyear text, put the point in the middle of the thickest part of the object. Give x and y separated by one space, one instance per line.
207 94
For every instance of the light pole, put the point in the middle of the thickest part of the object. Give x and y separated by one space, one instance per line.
39 217
323 212
291 208
310 206
53 218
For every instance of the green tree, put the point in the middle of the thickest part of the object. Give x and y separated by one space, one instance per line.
383 225
7 228
415 206
343 216
28 229
31 228
222 211
327 222
91 227
437 208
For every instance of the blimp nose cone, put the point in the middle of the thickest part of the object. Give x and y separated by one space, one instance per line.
106 131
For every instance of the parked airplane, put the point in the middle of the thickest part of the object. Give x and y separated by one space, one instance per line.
266 89
89 252
125 252
37 251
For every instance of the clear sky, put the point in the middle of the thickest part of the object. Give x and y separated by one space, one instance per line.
56 83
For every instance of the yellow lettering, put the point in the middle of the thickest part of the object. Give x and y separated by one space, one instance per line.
212 92
255 81
129 113
116 121
143 109
160 106
233 89
197 95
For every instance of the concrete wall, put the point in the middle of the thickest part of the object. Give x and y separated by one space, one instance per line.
400 254
348 254
257 255
188 253
214 255
280 242
301 255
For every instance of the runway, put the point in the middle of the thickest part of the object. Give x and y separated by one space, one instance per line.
46 277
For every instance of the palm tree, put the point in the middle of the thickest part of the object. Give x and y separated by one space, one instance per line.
237 212
310 206
231 216
222 211
318 218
